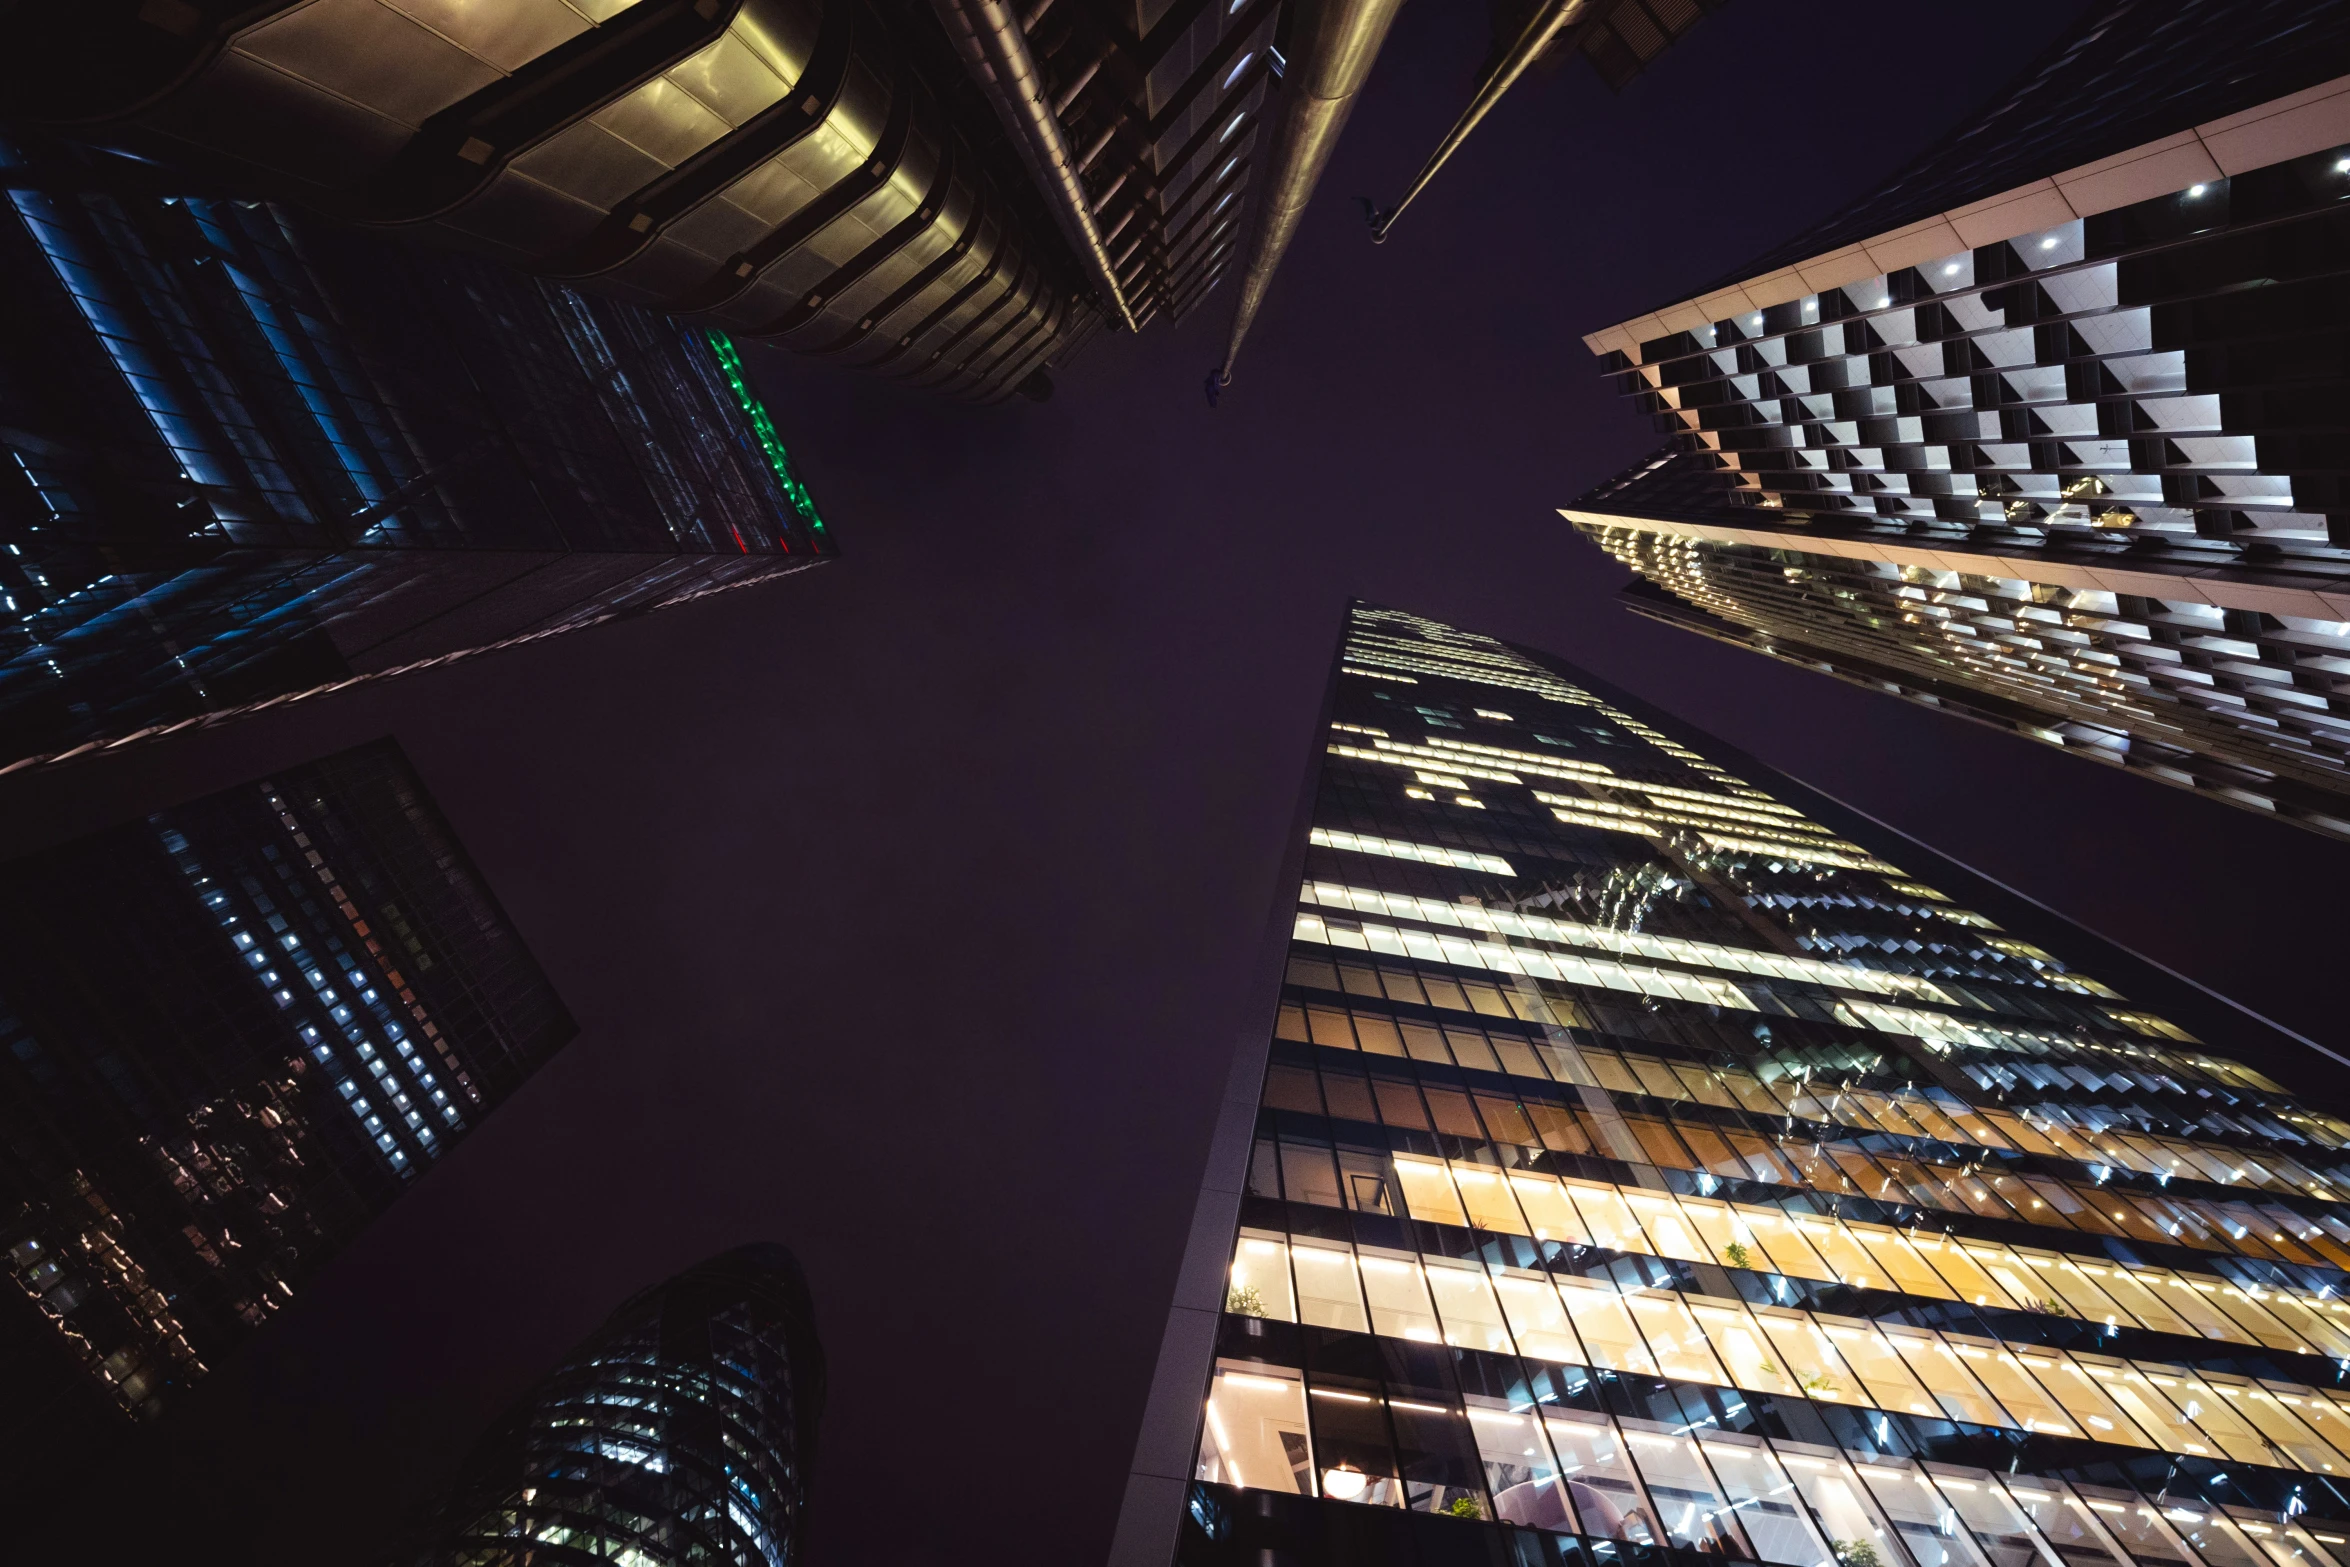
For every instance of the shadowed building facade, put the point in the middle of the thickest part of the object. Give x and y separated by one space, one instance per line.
957 194
245 455
681 1434
2050 429
1652 1160
231 1035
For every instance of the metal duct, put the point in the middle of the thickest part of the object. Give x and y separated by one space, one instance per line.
992 42
1542 29
1338 41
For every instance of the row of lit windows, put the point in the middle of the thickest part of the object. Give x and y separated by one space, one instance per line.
1548 1465
1403 849
1935 1028
1601 938
1716 1152
2137 1075
1784 1352
1821 1249
1635 979
1932 1113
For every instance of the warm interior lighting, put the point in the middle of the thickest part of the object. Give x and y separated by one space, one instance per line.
1345 1482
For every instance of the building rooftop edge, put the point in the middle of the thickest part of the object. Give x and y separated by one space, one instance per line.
2297 124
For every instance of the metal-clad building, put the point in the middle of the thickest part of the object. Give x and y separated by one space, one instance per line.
2057 417
958 196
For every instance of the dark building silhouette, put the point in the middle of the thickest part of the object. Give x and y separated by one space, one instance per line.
1646 1159
231 1035
246 455
2050 429
681 1434
954 193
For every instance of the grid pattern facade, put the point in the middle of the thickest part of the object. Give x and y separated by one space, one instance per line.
1645 1168
2164 377
2068 456
246 455
2250 707
680 1435
231 1034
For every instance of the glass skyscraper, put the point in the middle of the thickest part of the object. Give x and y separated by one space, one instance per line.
1650 1158
231 1034
680 1434
246 455
2049 428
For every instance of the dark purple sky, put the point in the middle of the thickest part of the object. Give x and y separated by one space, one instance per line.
906 905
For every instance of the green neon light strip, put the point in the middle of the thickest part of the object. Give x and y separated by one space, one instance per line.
730 360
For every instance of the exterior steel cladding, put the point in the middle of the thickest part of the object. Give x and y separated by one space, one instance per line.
249 455
1645 1162
783 169
681 1433
2058 417
234 1032
2242 705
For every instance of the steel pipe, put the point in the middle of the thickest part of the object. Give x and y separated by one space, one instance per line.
1338 41
989 36
1541 30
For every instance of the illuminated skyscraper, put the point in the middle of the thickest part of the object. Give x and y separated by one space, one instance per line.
680 1435
231 1034
245 455
1650 1157
2049 429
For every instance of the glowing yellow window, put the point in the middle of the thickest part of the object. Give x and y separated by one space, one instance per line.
1783 1244
1668 1232
1428 1190
2215 1413
1674 1338
1328 1294
1606 1328
1741 1347
1536 1318
1895 1259
2085 1399
2152 1406
1485 1192
1606 1217
1880 1368
1465 1304
2139 1294
2315 1330
1398 1297
1259 1285
1843 1253
1809 1357
1547 1209
2274 1419
2018 1392
2254 1322
2190 1298
1945 1376
1964 1271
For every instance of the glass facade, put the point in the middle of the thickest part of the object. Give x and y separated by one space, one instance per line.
245 455
681 1433
231 1034
2054 417
1646 1165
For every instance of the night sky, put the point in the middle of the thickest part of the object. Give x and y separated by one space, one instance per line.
907 905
